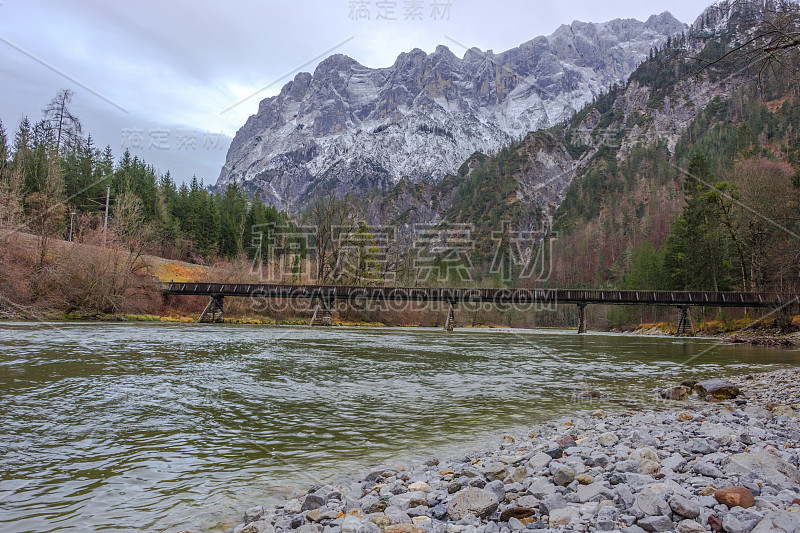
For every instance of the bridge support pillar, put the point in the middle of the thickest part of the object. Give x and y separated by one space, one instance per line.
213 313
685 325
450 321
581 318
322 313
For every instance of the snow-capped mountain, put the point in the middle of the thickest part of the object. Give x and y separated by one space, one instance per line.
350 128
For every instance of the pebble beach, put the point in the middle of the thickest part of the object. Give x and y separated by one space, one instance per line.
718 455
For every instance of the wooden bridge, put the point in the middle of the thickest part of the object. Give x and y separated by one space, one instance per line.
325 295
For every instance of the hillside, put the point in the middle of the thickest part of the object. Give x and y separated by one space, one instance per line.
612 178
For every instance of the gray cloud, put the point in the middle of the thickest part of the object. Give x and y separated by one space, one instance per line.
175 65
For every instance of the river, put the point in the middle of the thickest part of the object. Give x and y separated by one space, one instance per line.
173 427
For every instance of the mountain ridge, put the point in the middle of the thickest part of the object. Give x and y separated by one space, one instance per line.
350 128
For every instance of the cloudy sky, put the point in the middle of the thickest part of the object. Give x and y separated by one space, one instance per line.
173 80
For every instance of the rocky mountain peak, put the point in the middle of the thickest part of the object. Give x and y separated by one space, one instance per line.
350 128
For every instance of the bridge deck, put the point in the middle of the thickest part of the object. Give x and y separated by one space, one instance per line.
456 295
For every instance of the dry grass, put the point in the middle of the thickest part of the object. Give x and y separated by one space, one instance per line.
84 279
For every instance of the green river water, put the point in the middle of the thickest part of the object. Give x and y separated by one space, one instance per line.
173 427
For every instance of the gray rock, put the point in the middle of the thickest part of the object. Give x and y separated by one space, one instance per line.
707 469
564 476
625 496
563 516
554 453
528 501
785 520
539 461
551 503
740 520
704 446
674 462
397 515
599 459
675 393
607 439
707 501
632 529
628 465
541 488
350 524
637 482
689 526
404 500
367 502
651 504
254 513
607 518
420 510
684 506
770 465
313 501
498 488
368 526
594 493
655 523
259 526
515 524
495 471
438 512
293 506
785 496
479 502
477 482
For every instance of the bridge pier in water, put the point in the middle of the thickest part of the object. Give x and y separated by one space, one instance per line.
450 321
685 324
213 313
581 318
322 313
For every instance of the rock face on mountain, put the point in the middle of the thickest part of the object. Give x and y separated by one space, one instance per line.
350 128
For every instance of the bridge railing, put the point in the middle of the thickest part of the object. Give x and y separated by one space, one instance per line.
456 295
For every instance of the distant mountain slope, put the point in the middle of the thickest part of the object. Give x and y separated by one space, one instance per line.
354 129
609 176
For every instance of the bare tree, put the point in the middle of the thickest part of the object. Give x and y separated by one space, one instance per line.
46 210
774 43
66 125
131 229
767 198
334 220
11 198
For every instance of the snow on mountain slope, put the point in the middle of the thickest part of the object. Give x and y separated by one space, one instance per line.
350 128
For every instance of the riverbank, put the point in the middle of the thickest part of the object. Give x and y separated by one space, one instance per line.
687 466
739 331
765 336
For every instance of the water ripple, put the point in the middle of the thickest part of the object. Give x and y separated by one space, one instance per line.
162 427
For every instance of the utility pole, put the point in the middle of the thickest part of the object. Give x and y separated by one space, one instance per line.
71 216
260 255
105 224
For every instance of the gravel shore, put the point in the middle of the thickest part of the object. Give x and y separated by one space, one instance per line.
724 457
